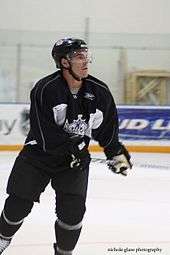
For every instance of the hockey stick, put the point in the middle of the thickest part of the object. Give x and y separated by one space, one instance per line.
136 164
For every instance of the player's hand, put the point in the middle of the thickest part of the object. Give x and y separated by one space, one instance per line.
120 164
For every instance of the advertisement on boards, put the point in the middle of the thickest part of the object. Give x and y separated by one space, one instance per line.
144 123
14 123
136 123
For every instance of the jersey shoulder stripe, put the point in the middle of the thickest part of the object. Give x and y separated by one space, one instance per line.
97 82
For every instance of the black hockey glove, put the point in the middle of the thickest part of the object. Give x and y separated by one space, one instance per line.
77 150
120 163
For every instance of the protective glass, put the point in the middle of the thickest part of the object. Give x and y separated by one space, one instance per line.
80 56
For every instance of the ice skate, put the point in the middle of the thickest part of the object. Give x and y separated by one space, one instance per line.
4 243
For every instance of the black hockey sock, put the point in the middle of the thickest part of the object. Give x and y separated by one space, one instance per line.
66 237
7 227
70 209
12 217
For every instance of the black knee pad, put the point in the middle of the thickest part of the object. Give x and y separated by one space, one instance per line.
70 208
16 208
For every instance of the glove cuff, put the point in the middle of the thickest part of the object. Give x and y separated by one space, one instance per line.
116 150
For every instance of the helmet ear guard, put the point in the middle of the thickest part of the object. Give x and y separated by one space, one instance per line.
64 47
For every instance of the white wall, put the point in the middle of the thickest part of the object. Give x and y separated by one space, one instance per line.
132 16
67 18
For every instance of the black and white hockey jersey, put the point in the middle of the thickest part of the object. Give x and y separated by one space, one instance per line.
56 112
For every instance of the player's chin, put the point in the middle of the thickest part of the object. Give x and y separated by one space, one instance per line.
84 73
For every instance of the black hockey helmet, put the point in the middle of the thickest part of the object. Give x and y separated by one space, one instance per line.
66 46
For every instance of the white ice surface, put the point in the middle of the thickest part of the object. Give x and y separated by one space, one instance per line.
122 212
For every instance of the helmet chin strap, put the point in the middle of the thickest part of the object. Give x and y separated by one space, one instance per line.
75 76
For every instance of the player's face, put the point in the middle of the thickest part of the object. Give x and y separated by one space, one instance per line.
79 62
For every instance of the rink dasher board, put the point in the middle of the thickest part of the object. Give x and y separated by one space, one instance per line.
138 130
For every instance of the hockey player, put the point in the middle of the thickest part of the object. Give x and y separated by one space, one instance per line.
68 108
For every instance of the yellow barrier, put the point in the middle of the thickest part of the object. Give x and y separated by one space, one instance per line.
16 147
137 148
97 148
